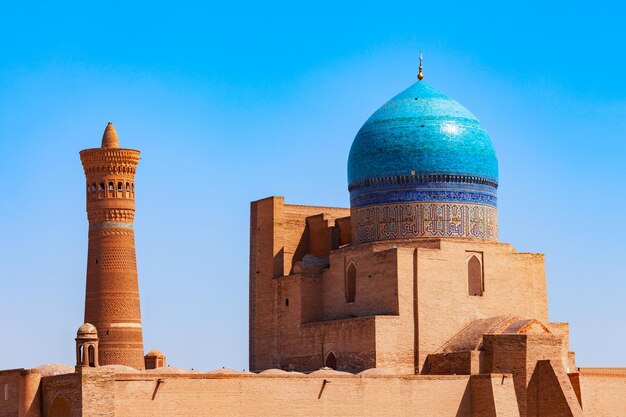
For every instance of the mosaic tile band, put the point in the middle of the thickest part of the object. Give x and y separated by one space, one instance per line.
408 189
423 220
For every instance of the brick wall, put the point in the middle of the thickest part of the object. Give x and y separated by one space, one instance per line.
422 283
301 396
519 354
514 284
376 283
9 392
67 386
98 392
279 238
550 392
603 393
493 395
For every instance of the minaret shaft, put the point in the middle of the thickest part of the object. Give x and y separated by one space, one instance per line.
112 291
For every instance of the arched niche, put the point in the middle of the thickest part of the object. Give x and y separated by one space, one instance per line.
474 276
331 361
60 408
351 284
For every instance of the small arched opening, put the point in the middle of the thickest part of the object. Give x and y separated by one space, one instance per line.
80 355
331 361
92 356
351 284
60 408
120 187
474 276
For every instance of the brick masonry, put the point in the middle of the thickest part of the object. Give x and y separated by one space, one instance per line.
112 291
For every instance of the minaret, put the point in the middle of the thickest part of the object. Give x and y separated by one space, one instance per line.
112 295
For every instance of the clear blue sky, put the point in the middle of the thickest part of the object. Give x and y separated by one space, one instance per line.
235 101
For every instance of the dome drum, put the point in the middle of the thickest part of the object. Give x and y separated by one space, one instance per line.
413 220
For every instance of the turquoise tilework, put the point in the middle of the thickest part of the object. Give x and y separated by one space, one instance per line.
422 131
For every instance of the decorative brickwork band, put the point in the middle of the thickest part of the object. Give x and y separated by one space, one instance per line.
423 220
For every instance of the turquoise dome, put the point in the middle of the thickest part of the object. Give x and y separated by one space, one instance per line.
422 131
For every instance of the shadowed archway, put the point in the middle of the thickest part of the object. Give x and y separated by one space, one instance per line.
331 361
60 408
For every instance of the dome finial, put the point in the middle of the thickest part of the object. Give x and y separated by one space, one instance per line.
420 75
109 138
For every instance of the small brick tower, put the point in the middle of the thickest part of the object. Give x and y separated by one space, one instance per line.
112 294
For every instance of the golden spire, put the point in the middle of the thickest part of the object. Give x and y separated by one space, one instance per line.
109 139
420 75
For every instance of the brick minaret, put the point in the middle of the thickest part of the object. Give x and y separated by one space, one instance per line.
112 295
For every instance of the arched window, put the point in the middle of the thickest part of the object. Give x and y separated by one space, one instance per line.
474 276
111 186
128 187
101 186
93 187
80 354
351 284
331 361
120 187
92 356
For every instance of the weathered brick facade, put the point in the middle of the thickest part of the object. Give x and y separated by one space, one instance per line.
411 295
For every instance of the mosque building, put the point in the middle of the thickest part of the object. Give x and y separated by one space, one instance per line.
405 304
